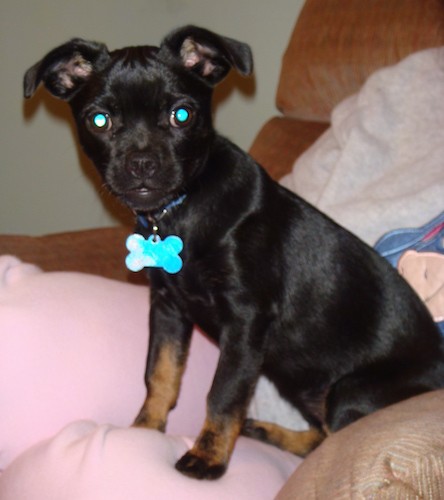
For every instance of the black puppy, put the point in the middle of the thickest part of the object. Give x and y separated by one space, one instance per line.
283 290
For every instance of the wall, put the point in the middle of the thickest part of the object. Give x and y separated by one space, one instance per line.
46 183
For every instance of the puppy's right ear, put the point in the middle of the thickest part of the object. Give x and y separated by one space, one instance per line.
65 69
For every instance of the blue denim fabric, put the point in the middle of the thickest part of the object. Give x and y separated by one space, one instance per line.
428 238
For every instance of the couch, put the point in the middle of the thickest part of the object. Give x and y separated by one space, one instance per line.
396 453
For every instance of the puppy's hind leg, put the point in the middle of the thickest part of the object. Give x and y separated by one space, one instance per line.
297 442
375 387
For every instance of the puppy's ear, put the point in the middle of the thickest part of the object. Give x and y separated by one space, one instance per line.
209 55
66 68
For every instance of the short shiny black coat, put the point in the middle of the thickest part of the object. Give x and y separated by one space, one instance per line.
282 289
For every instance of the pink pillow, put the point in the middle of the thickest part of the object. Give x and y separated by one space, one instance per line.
73 348
90 462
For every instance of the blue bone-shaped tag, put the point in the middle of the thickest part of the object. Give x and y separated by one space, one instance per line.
154 252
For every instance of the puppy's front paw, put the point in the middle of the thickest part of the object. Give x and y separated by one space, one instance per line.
199 468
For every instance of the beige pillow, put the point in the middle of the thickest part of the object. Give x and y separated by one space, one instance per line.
396 453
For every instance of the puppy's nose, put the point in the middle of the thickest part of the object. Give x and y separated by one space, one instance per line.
140 165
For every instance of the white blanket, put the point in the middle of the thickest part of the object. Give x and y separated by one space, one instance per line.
380 166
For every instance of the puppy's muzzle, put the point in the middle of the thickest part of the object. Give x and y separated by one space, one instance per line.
140 166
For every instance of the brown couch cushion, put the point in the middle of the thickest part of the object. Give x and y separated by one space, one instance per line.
337 44
95 251
281 140
395 453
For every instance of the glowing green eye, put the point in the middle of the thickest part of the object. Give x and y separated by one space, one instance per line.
180 116
101 122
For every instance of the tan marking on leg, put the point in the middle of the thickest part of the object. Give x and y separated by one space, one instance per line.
217 439
164 385
297 442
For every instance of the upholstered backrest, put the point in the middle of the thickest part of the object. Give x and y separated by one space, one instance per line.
336 44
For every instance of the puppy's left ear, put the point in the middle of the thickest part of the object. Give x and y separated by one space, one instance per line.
209 55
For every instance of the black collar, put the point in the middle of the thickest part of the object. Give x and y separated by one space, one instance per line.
146 220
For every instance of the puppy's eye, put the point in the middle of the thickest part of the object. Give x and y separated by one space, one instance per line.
181 116
101 122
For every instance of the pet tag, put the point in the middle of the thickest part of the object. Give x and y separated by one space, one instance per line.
154 252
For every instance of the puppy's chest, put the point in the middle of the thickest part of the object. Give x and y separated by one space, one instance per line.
196 299
199 290
205 287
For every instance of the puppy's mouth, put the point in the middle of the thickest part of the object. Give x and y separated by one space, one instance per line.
139 195
143 199
141 192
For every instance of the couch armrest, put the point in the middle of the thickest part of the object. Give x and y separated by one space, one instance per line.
96 251
281 140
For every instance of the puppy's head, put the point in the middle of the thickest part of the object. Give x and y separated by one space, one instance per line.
143 113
